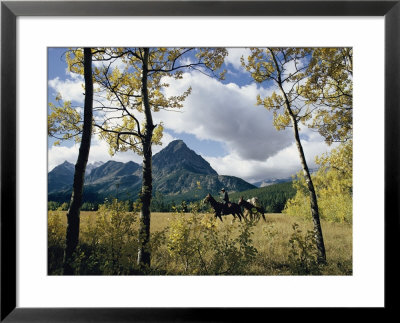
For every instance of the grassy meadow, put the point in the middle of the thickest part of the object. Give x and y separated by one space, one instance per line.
197 244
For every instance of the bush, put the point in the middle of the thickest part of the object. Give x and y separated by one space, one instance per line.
87 206
333 185
336 207
110 244
194 244
52 206
56 243
202 245
303 256
63 207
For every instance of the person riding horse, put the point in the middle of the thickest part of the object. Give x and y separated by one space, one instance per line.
231 208
225 199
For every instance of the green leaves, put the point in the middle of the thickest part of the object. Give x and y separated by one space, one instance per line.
120 117
331 88
112 238
200 245
317 82
303 256
64 122
333 184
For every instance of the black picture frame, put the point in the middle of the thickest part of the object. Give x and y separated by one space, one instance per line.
10 10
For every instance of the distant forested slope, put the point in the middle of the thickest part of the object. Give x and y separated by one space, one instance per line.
272 198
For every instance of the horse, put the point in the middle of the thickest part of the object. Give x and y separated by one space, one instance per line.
230 208
249 207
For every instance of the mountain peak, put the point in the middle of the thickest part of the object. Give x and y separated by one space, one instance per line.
96 163
176 145
177 170
175 142
61 176
65 167
93 165
178 156
112 169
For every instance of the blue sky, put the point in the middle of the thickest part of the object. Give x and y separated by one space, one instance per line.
219 121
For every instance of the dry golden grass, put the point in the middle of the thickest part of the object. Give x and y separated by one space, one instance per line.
271 238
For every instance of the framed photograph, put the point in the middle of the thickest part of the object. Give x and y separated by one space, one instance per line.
41 58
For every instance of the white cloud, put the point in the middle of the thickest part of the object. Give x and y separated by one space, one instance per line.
165 140
283 164
58 154
71 89
234 55
114 63
226 113
73 76
98 152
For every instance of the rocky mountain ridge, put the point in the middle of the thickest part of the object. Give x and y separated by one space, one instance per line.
178 173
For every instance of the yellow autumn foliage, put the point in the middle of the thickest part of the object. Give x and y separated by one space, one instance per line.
333 184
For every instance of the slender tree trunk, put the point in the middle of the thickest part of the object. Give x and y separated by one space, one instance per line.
143 259
313 197
80 167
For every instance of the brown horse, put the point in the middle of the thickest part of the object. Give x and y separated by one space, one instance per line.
250 207
230 208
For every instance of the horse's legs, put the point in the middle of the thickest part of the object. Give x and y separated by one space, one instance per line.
241 213
251 217
218 215
262 212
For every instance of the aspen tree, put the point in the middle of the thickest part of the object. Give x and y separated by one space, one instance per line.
287 70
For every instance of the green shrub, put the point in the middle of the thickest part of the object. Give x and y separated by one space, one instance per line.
196 244
63 207
202 245
303 256
110 244
333 183
87 206
52 206
56 242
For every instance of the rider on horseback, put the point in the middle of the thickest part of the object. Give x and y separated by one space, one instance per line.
225 199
